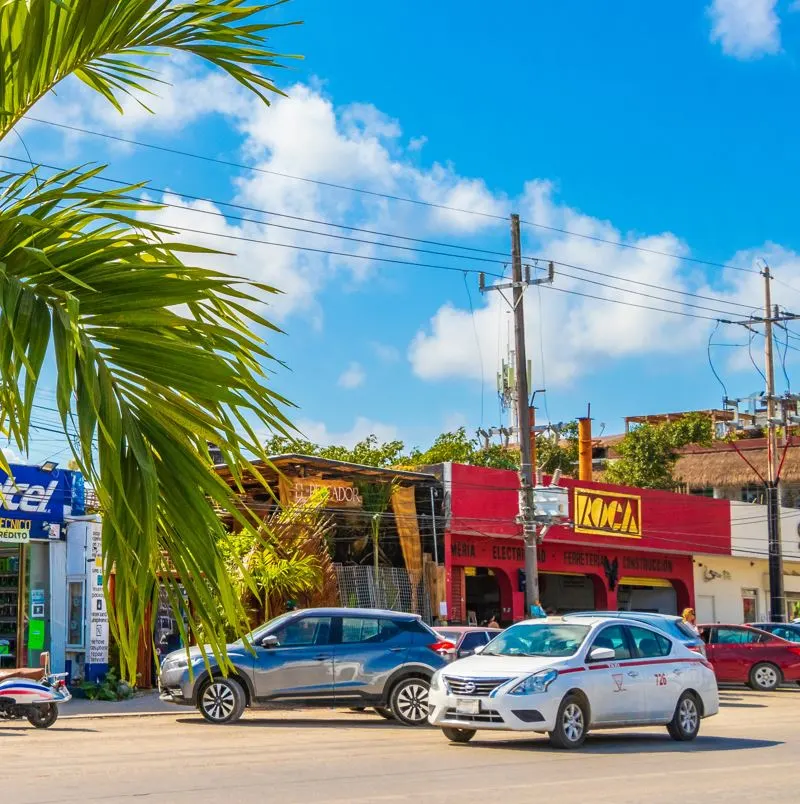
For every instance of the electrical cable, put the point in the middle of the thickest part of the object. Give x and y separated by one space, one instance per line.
387 196
711 362
750 350
224 216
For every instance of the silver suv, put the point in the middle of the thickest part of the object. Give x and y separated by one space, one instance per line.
322 657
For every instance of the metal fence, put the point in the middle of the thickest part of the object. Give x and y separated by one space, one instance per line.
393 588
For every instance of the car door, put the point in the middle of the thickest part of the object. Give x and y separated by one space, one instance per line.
300 665
615 688
661 680
369 651
731 655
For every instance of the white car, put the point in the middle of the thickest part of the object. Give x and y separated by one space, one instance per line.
565 676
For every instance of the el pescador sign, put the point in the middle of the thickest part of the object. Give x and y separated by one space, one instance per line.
607 513
30 501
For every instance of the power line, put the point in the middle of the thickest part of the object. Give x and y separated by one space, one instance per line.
387 196
224 216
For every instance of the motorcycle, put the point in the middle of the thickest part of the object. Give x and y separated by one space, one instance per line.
33 693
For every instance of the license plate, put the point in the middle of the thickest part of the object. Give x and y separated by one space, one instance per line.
467 706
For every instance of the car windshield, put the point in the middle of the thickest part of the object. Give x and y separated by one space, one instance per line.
538 639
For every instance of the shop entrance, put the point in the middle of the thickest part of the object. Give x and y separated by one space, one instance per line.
10 597
562 594
653 595
482 594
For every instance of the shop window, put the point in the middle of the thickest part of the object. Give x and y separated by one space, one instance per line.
76 614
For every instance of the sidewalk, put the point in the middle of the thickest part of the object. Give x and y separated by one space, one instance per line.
142 703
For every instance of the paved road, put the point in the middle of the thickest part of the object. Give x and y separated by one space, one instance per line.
749 752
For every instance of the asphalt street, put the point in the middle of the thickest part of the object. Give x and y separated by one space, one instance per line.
748 752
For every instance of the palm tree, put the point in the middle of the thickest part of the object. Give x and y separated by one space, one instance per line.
155 357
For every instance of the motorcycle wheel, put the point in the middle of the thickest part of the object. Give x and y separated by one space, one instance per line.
43 716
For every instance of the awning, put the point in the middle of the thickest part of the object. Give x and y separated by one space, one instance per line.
635 581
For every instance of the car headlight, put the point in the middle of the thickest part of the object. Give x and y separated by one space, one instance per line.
436 681
538 682
176 663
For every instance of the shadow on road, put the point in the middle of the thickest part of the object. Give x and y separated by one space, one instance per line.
21 731
631 743
303 723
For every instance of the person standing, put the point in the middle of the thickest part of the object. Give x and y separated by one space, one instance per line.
690 619
493 622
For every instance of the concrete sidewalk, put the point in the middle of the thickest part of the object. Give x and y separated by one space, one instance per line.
142 703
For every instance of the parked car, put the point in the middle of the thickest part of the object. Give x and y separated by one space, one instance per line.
788 631
566 675
323 657
746 655
670 624
464 640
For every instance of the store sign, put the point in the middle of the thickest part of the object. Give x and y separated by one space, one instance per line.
15 531
607 513
98 614
31 500
341 493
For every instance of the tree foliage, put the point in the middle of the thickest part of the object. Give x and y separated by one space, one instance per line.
559 450
287 560
155 357
648 453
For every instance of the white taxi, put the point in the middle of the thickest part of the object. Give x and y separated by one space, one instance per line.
564 676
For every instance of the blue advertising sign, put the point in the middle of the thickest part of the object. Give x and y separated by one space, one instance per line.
30 501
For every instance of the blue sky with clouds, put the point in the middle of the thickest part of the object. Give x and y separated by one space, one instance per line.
665 126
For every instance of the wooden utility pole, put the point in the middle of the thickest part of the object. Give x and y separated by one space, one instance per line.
523 407
776 594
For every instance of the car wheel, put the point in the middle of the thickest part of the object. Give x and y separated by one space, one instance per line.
384 712
43 716
458 735
764 677
685 722
572 723
409 701
222 701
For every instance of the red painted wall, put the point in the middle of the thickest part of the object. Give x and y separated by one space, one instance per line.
484 502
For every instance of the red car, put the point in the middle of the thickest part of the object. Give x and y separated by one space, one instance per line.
746 655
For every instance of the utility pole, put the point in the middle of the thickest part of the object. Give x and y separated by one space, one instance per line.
772 316
776 595
526 507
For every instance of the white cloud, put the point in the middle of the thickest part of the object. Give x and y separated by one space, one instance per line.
385 352
319 433
580 334
352 377
745 28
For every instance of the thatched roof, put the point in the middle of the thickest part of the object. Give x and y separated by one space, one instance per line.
721 465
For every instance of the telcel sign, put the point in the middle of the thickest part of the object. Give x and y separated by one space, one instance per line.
29 499
607 513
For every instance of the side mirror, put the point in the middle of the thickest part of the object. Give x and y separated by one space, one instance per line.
269 641
602 655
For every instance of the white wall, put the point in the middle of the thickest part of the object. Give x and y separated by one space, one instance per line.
749 531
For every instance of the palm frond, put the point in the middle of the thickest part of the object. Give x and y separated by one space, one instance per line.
103 42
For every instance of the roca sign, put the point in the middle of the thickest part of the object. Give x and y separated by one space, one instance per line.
607 513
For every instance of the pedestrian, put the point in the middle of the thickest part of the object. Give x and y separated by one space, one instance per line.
537 610
690 619
291 605
493 622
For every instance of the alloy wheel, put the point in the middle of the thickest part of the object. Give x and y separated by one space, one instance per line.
572 721
218 701
688 715
412 701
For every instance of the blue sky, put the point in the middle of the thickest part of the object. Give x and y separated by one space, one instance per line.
664 125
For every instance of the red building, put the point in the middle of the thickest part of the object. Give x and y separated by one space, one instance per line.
625 548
